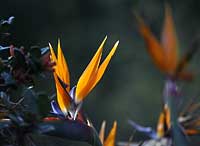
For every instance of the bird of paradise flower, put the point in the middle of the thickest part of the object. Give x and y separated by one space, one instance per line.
70 99
70 121
165 53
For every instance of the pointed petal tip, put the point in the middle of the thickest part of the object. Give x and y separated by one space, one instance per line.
50 45
115 47
59 41
103 122
115 123
87 78
104 40
102 131
59 46
110 140
117 43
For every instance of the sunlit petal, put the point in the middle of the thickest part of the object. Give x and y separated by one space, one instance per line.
102 132
110 140
82 85
53 57
104 65
63 97
63 68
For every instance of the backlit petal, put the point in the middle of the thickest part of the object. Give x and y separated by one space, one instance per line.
102 132
153 46
104 65
63 97
89 72
95 78
53 57
63 68
110 140
169 41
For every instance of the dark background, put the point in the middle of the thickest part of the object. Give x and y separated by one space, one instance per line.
131 87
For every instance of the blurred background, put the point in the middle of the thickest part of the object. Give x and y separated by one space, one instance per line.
131 87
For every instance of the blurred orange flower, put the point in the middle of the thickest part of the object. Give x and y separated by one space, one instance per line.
165 53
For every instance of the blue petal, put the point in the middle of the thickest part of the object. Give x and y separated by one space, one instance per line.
146 130
72 92
55 108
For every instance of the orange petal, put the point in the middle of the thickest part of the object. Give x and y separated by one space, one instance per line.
82 85
62 68
53 56
54 59
95 78
102 131
110 140
154 48
161 125
63 97
104 65
169 41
